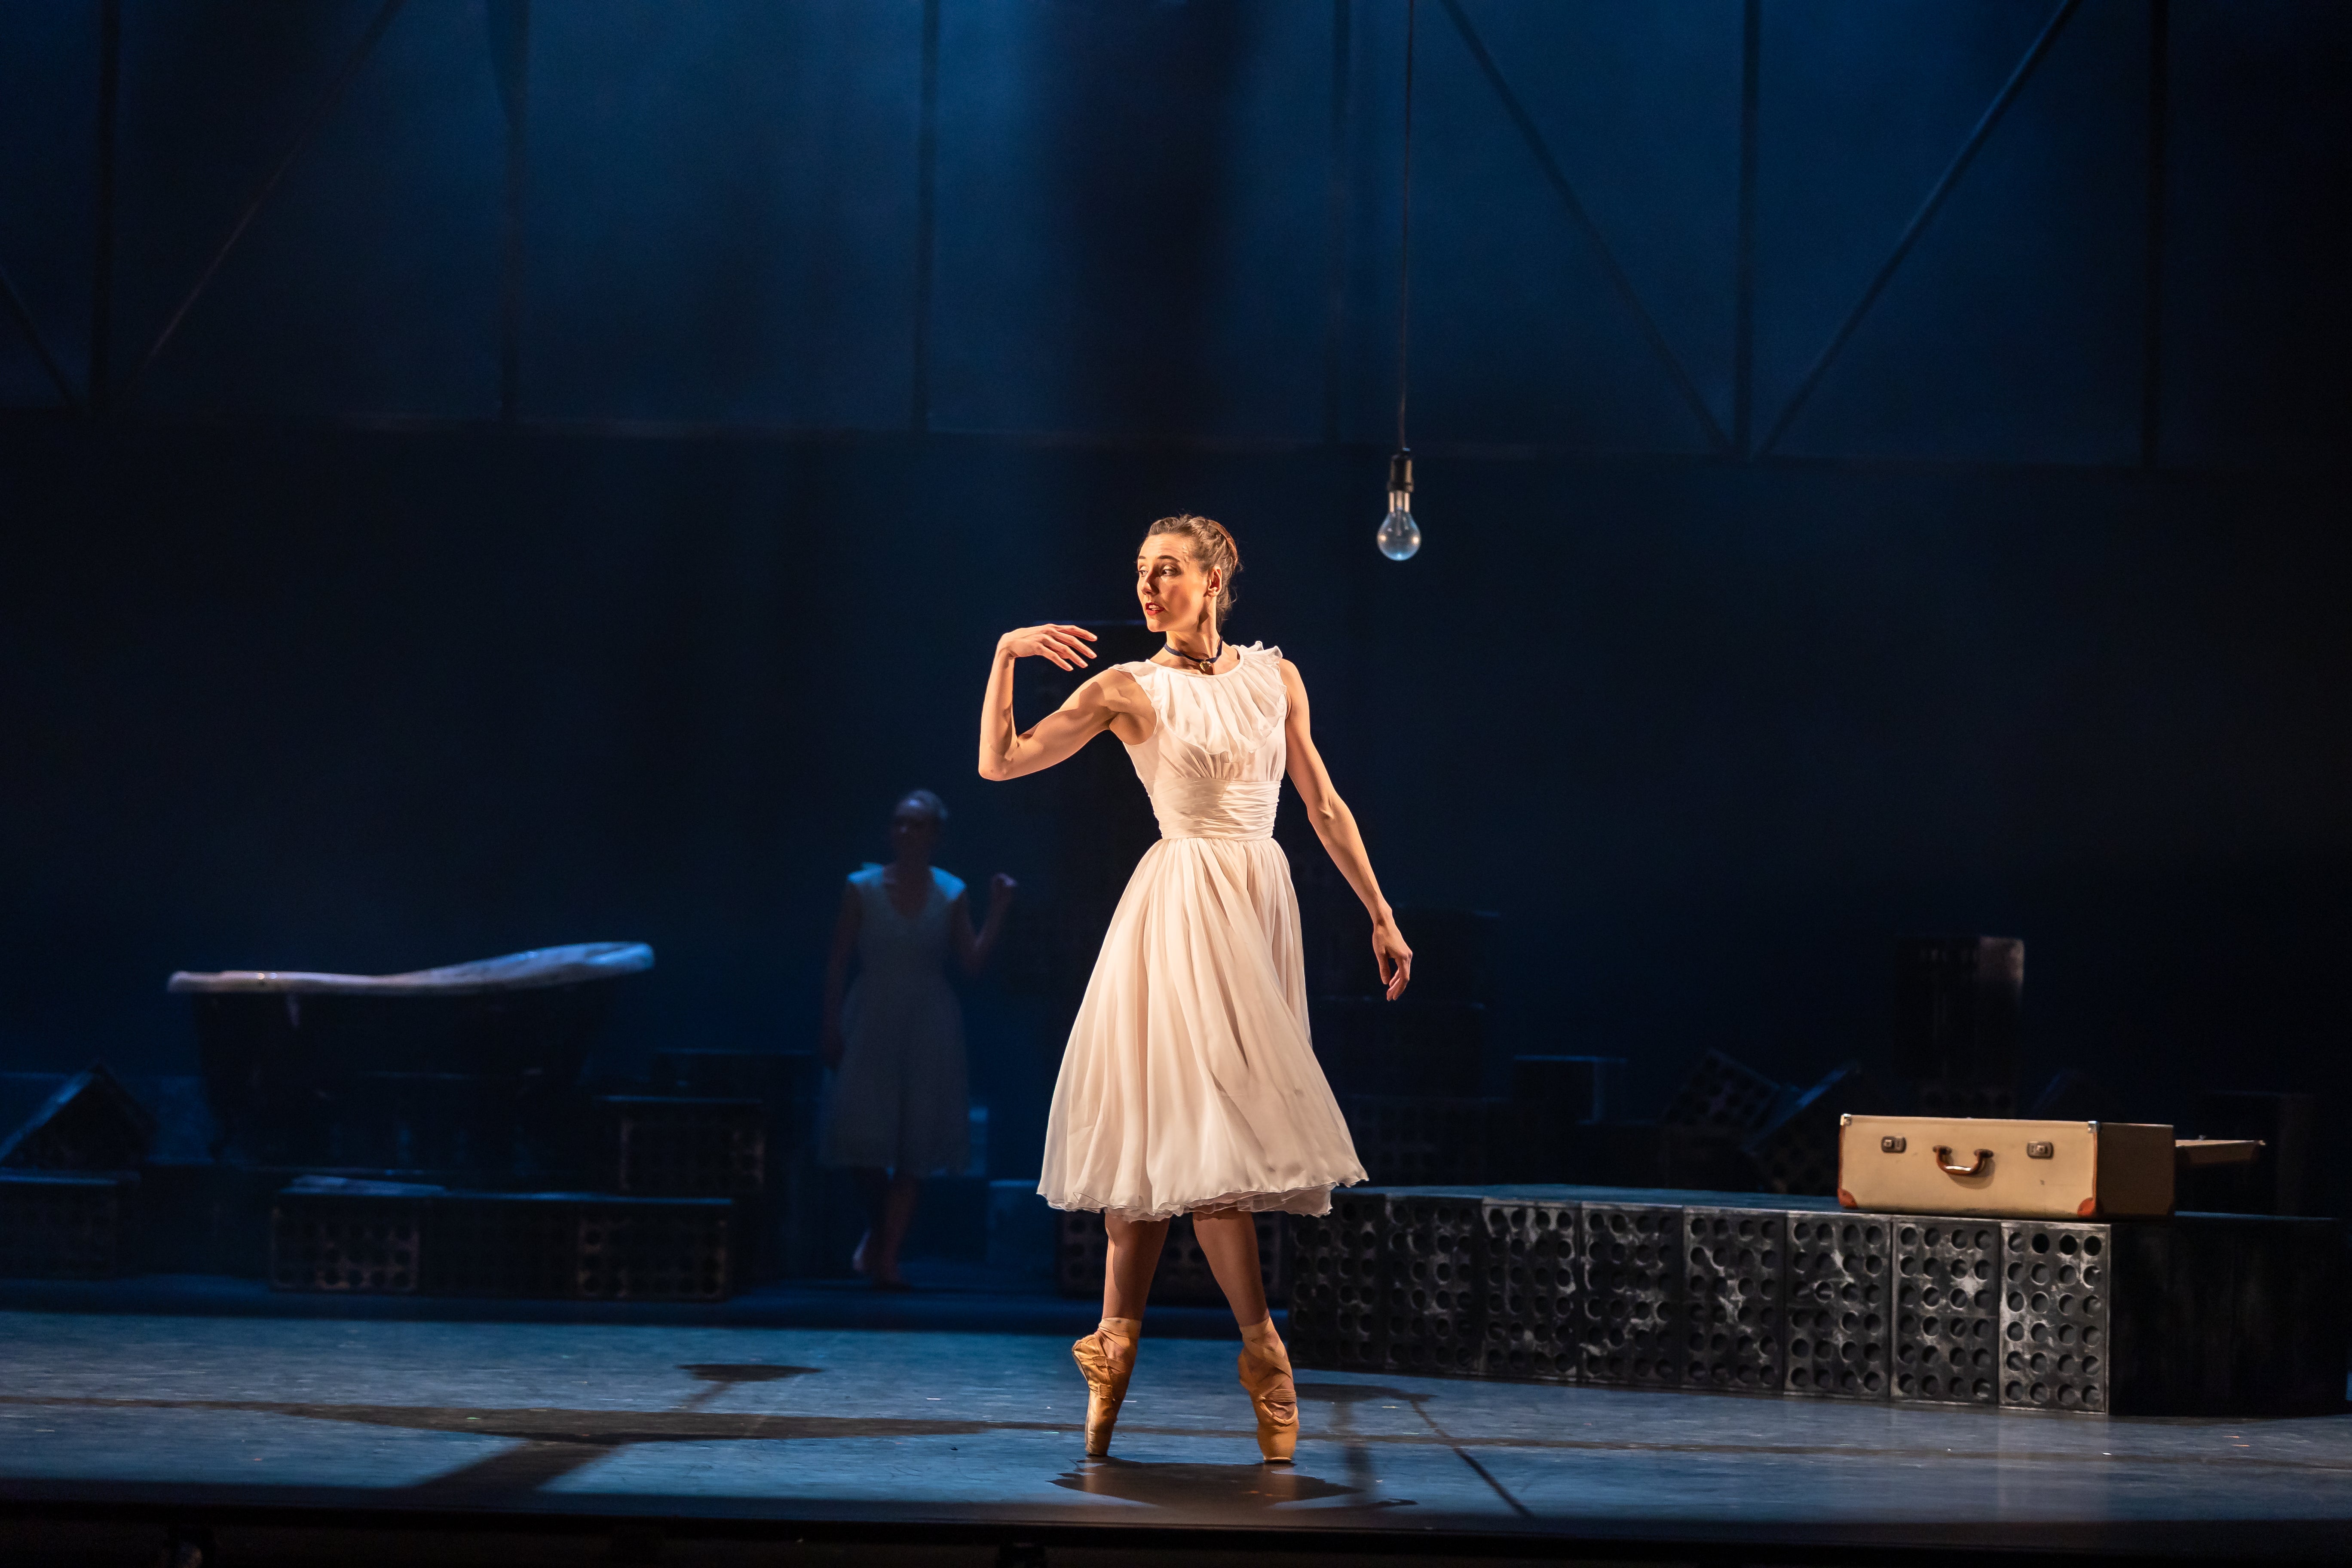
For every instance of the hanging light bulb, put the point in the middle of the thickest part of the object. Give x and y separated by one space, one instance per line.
1400 536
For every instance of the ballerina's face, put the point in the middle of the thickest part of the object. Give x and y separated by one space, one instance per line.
1171 586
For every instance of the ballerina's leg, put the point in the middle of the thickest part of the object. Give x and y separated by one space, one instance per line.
1128 1265
1107 1356
1229 1241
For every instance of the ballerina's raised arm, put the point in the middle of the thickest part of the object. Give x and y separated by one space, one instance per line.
1108 700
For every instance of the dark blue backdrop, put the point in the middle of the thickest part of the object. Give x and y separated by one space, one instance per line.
590 485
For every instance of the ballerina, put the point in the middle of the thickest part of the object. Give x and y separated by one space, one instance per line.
1190 1084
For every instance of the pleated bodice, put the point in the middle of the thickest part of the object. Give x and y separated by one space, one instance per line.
1215 761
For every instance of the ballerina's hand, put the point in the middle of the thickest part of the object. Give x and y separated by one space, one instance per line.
1395 959
1058 643
1000 890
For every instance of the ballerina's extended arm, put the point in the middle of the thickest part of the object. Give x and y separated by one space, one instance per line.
1110 701
1335 825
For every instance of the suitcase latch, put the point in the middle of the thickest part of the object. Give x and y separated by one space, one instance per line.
1893 1143
2040 1152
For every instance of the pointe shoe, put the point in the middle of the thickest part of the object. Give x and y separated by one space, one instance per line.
1276 1400
1106 1358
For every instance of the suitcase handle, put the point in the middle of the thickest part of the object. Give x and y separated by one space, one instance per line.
1983 1167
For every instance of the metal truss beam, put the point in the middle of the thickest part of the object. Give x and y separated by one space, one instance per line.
1335 219
101 254
268 187
2018 77
927 219
18 308
1575 209
510 30
2160 71
1743 325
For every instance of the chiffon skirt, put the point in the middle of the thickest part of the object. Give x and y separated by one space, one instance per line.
1190 1081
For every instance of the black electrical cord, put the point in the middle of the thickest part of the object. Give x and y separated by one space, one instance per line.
1405 236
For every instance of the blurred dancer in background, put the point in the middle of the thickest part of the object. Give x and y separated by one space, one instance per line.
894 1040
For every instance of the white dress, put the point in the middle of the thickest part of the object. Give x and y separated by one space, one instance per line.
898 1101
1190 1081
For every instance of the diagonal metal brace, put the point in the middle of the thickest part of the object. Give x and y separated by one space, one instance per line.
1583 220
303 140
1920 219
18 308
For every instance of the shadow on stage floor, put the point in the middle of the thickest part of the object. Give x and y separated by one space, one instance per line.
831 1425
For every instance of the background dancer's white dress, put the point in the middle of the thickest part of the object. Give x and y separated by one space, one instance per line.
898 1101
1190 1081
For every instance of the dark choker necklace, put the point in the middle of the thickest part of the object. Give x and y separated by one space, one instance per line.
1205 666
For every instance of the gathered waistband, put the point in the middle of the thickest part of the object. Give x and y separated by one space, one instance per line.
1216 808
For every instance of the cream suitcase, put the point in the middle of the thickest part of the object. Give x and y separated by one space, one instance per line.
2009 1170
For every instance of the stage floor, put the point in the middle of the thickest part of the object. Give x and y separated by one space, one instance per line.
940 1428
